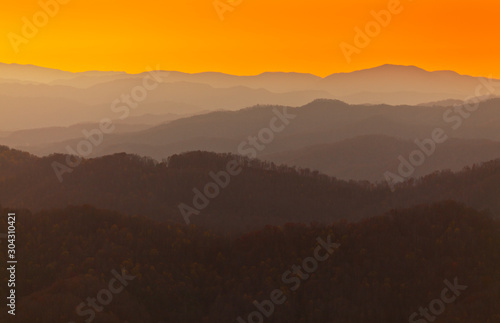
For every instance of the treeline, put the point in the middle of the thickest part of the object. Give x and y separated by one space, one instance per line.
262 194
386 267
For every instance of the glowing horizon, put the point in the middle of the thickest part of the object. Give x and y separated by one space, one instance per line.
255 37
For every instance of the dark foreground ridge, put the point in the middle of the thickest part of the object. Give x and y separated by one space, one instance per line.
385 269
262 194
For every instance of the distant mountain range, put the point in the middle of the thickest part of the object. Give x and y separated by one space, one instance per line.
46 110
347 141
383 79
66 98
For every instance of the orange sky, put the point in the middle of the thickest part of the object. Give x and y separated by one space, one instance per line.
257 36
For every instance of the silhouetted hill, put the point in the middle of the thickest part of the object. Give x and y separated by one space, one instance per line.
263 193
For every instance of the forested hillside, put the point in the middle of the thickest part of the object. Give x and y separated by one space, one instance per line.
262 194
384 269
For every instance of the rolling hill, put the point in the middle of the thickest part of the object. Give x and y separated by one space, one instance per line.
263 194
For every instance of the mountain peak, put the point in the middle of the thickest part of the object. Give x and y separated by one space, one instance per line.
398 67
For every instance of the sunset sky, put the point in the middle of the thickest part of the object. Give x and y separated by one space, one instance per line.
257 36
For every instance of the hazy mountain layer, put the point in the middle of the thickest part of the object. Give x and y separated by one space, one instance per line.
68 98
